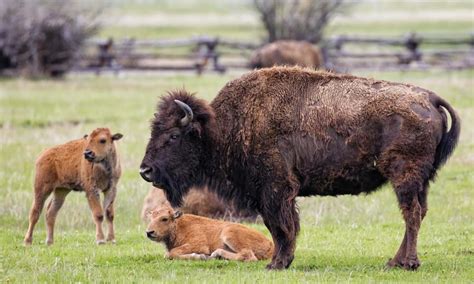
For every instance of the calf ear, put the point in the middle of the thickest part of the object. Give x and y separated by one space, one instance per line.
85 136
177 214
117 136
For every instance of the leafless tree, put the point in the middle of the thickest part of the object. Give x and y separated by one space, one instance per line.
297 19
44 36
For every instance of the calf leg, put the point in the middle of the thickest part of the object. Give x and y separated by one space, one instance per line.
109 198
97 213
41 194
243 255
54 205
187 252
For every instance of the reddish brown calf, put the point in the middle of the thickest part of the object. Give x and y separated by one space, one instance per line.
89 164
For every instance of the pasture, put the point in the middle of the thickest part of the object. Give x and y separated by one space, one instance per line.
348 238
344 238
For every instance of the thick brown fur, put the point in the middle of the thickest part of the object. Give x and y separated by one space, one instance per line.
278 133
287 53
90 164
201 202
188 236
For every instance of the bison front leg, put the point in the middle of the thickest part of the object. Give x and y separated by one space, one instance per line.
282 220
97 213
109 198
187 252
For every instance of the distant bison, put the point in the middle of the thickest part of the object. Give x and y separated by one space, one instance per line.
287 53
278 133
188 236
89 164
201 202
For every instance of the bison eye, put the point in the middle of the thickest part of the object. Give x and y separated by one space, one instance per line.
102 141
174 136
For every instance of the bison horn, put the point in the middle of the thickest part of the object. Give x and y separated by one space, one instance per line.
188 117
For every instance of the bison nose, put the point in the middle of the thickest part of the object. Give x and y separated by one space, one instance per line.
150 234
145 172
89 155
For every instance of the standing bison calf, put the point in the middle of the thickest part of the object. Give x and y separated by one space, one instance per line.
90 164
188 236
278 133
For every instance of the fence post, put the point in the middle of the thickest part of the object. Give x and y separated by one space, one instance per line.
412 43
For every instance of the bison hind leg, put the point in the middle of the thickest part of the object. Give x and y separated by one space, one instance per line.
410 183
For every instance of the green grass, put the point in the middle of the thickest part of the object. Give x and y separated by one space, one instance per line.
344 238
381 18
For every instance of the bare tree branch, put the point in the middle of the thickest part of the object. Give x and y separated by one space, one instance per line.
297 19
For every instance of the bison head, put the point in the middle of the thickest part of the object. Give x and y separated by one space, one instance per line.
100 145
179 142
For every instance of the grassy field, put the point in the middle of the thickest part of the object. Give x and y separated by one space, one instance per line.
344 238
238 19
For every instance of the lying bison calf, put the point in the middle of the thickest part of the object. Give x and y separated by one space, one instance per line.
202 202
278 133
89 164
188 236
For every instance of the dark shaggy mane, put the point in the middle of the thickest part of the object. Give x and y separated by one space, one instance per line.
169 113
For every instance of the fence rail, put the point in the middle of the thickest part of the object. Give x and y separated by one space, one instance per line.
341 53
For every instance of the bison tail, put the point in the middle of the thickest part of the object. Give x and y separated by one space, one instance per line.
450 138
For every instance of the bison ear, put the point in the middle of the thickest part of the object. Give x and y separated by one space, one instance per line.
117 136
177 214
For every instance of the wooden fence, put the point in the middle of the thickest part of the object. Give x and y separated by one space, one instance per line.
341 53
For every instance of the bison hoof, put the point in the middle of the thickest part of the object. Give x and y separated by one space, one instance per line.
49 242
112 241
100 242
216 254
199 256
394 262
411 263
275 266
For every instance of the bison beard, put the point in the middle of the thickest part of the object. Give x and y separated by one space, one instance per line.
278 133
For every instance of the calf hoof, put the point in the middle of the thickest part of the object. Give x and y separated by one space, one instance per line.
27 243
49 242
100 242
411 264
216 254
112 241
199 256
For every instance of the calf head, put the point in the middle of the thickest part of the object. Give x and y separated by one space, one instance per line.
179 142
100 145
162 224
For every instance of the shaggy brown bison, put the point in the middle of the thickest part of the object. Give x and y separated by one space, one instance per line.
89 164
278 133
289 53
188 236
201 202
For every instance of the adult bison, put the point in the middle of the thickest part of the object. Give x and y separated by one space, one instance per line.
278 133
288 53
